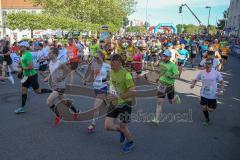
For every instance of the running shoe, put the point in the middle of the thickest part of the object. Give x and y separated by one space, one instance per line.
206 123
156 121
10 78
57 121
122 137
178 99
128 147
91 128
19 110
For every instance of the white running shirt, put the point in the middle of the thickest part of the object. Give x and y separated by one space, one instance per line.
209 83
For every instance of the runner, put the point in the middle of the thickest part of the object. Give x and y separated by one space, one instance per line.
72 52
184 54
207 55
174 52
102 73
7 61
43 58
137 61
209 78
93 48
30 76
122 91
224 51
58 73
131 50
193 52
168 73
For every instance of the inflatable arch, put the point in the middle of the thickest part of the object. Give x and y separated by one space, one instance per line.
166 26
151 29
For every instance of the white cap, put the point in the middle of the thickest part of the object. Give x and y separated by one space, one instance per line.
24 44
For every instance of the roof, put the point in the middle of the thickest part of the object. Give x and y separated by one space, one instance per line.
18 4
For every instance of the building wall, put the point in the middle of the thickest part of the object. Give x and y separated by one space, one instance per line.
234 17
18 4
9 6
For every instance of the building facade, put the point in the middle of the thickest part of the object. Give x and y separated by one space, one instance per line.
9 6
233 22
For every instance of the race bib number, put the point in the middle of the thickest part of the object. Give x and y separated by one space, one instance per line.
162 88
182 57
194 52
207 90
113 91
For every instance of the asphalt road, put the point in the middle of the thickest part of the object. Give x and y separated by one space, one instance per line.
180 136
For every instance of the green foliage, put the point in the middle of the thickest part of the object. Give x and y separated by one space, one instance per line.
190 28
99 12
23 20
136 29
221 22
126 22
212 30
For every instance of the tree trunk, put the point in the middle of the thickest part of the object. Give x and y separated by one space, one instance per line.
31 33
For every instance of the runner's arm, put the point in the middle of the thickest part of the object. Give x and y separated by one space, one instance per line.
130 93
195 81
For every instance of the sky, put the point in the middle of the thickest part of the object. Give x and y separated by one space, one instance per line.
167 11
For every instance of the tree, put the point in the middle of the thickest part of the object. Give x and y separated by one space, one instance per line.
212 30
100 12
136 29
222 22
125 22
190 28
180 28
23 20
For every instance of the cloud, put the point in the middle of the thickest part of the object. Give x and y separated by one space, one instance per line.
172 3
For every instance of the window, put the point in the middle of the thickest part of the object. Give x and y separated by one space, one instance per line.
229 21
4 13
232 5
237 4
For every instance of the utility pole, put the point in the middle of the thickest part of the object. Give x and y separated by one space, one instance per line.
209 12
147 11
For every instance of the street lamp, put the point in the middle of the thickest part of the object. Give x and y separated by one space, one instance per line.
147 11
208 7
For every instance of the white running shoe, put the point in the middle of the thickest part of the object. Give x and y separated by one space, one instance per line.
156 121
10 78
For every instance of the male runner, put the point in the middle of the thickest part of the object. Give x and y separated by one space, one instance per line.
209 78
58 73
122 92
168 73
184 54
30 76
100 84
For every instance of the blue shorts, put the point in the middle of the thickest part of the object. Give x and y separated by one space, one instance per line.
103 90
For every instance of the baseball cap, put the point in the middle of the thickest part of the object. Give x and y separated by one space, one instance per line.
36 44
24 44
170 44
167 53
